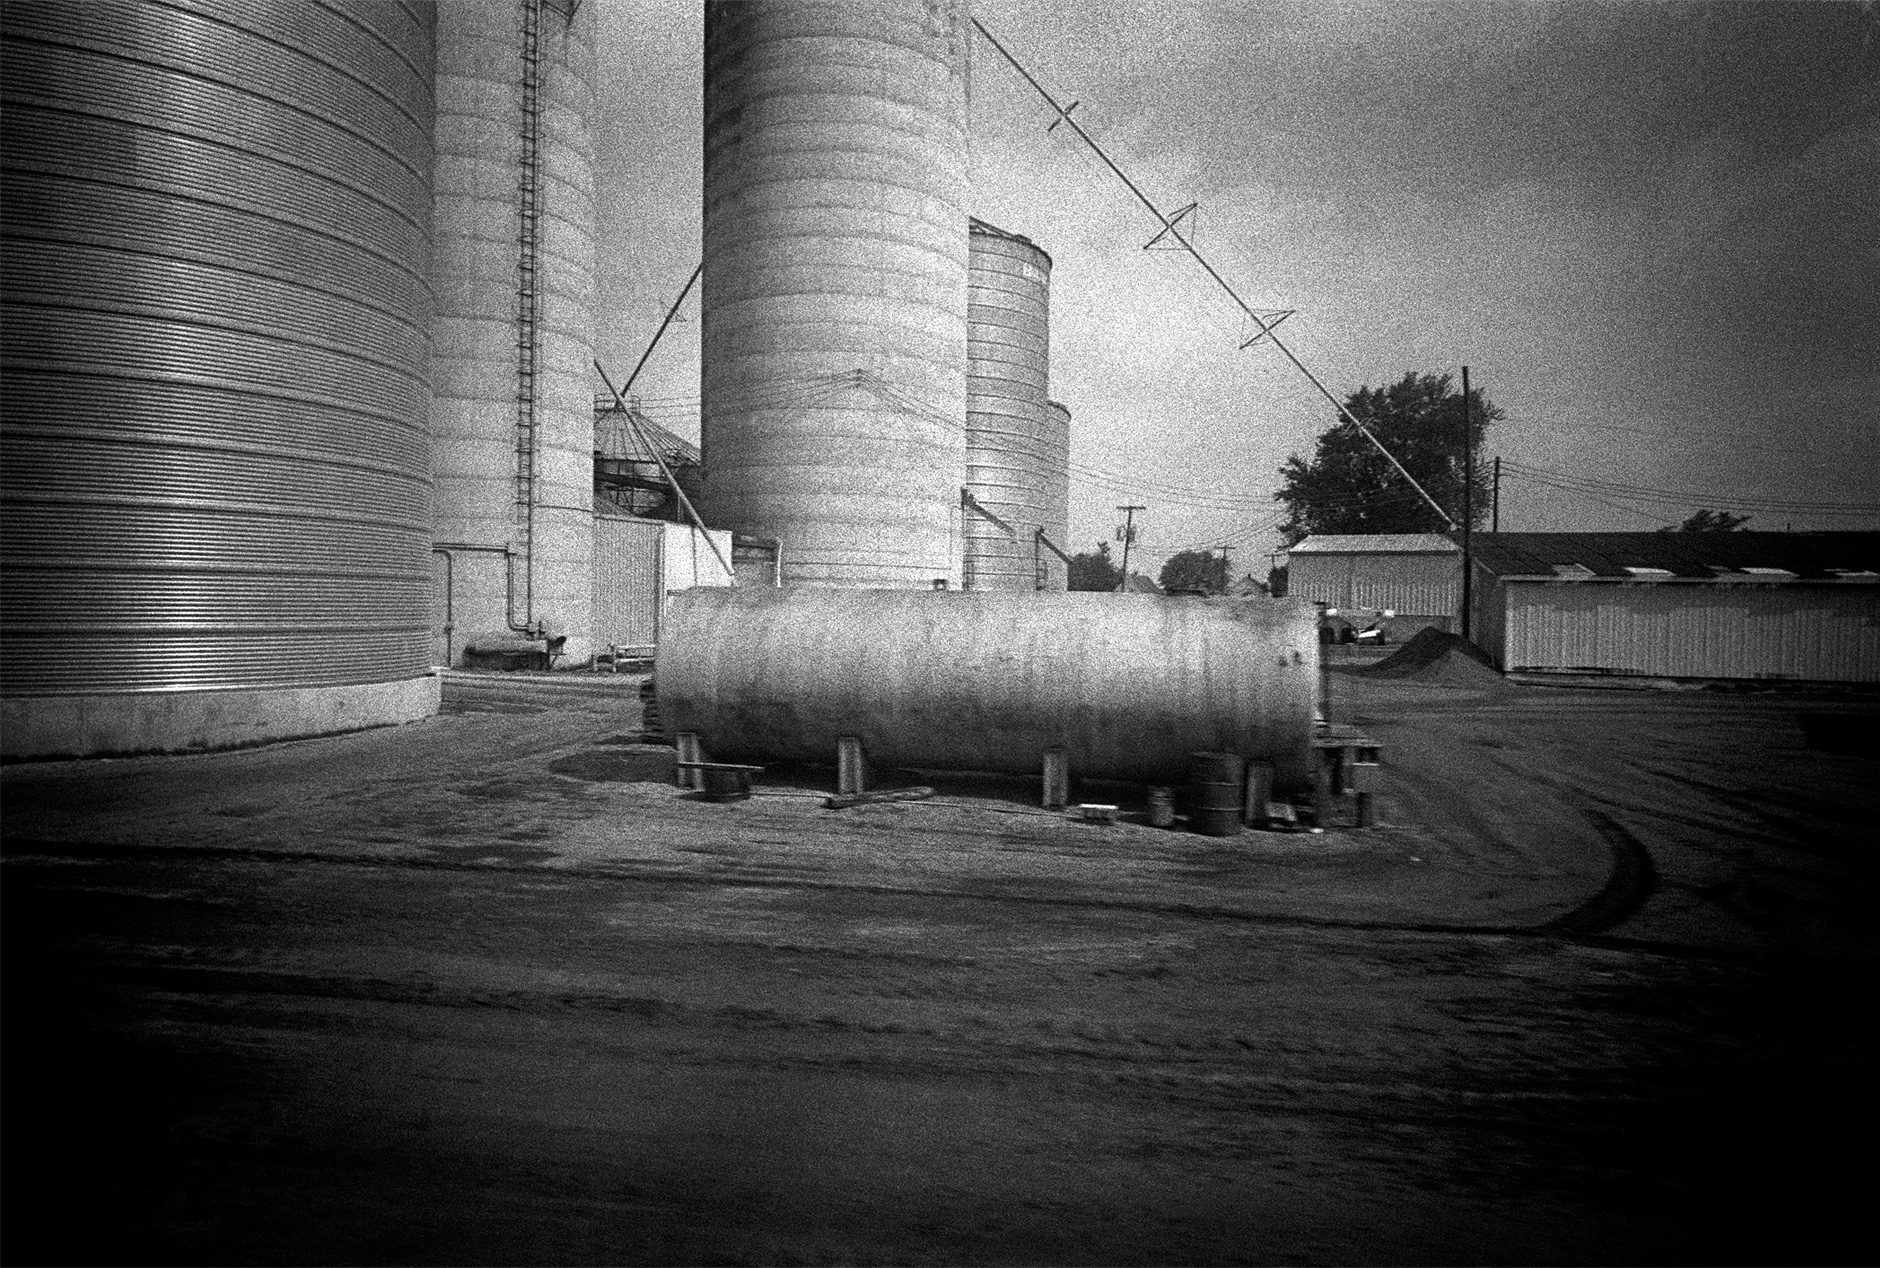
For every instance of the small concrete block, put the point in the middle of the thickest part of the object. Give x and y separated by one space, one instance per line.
851 767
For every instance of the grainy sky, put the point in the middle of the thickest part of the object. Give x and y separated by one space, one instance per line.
1652 231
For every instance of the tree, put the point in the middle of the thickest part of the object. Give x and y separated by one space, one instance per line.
1704 520
1349 487
1194 570
1094 570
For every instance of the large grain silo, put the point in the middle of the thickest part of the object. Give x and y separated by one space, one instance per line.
215 460
514 269
1055 467
1008 368
834 291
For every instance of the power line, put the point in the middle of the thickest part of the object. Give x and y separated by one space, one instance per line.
1666 496
1169 228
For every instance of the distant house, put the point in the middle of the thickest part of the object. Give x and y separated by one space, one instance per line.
1803 606
1417 576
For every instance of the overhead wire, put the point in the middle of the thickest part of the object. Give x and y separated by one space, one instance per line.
1660 495
1267 329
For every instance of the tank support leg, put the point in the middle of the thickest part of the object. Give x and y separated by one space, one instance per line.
1259 793
851 767
690 750
1057 779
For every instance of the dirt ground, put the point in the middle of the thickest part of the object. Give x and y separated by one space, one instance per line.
489 989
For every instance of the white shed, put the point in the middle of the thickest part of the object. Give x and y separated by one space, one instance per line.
1418 576
1800 606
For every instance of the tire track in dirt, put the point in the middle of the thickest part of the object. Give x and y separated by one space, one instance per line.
1629 884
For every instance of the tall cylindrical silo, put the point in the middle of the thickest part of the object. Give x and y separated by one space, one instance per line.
834 292
1007 378
514 269
215 455
1055 463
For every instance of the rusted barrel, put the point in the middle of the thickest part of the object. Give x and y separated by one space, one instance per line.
1127 685
1216 786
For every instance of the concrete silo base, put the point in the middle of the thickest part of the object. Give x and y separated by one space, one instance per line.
188 721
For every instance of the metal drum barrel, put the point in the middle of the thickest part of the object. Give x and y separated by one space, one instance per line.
1127 685
1216 786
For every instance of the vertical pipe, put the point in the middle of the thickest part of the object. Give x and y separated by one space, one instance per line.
1468 497
1495 515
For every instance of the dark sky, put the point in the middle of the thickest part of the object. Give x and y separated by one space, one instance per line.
1651 230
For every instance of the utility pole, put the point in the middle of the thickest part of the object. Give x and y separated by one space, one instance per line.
1129 535
1227 572
1468 497
1494 519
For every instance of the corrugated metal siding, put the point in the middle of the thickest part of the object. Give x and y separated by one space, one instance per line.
1819 633
627 573
215 465
689 558
1412 585
1489 620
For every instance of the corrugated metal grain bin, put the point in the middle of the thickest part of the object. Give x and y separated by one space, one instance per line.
214 345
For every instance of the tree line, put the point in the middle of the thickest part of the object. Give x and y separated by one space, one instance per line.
1348 486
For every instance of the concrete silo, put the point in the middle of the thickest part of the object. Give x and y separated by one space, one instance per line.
514 269
834 291
1008 368
214 462
1055 466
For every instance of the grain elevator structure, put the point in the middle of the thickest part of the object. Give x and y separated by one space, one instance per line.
513 267
834 301
299 326
215 519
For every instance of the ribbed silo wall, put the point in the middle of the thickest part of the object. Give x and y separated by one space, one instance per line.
513 415
1055 464
1007 378
214 328
834 292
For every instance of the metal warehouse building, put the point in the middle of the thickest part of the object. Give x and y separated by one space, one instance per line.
1418 576
1801 606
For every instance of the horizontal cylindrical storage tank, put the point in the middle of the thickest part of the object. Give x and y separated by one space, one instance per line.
1007 377
1128 685
215 457
1055 464
514 266
833 301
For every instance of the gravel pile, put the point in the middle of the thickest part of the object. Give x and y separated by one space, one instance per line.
1437 657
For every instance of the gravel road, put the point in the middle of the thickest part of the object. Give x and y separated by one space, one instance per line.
488 989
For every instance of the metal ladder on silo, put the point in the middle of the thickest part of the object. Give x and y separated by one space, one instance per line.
528 258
